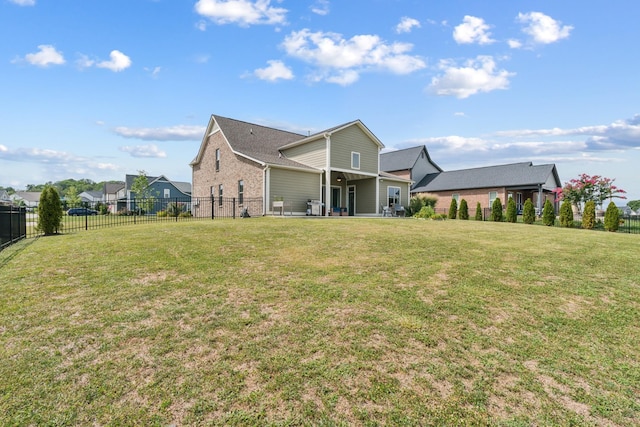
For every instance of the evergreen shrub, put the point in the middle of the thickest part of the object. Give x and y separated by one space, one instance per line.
512 211
528 212
49 211
548 214
463 212
612 217
589 215
566 214
478 216
496 210
453 209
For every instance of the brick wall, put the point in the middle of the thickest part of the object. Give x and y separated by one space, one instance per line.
232 169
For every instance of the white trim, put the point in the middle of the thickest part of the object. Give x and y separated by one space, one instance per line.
352 156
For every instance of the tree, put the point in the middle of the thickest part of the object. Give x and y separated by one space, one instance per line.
512 211
71 196
143 193
633 204
496 210
463 212
453 209
478 216
589 215
566 214
528 212
548 214
586 187
612 217
49 211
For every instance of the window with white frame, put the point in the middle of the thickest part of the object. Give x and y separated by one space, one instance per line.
393 196
241 191
493 195
456 197
355 160
217 159
167 193
220 195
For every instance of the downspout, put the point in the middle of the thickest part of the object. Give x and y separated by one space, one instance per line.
327 176
540 198
378 185
265 190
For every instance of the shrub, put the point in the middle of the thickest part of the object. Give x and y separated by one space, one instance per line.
438 217
496 210
589 215
548 214
186 214
528 212
612 217
566 214
512 211
453 209
463 212
425 212
49 211
161 214
415 204
478 212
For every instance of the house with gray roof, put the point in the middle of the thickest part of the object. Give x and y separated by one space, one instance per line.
338 168
521 181
160 188
411 163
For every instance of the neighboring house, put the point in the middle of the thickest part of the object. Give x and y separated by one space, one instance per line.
411 163
159 187
521 181
114 191
338 167
30 199
4 198
91 196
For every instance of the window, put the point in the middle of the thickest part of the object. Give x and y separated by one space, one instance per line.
220 195
167 193
355 160
217 159
393 196
456 197
493 195
241 191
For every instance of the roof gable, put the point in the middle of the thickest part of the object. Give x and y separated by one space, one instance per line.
404 159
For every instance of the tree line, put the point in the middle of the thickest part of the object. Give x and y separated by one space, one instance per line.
63 186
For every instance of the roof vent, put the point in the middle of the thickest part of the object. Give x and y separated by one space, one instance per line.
251 131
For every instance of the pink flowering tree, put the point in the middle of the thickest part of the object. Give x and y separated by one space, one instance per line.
585 188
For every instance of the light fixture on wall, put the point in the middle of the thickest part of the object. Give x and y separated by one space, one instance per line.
340 177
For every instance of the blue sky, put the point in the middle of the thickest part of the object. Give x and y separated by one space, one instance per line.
99 89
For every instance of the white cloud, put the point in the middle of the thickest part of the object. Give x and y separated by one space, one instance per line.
47 55
150 150
514 44
172 133
24 2
276 70
342 60
84 62
472 30
477 75
241 12
619 135
155 71
320 7
454 143
118 62
542 28
407 24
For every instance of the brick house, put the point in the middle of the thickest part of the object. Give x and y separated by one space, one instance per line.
338 167
521 181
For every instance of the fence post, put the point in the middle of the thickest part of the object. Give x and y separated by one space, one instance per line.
213 203
233 206
177 212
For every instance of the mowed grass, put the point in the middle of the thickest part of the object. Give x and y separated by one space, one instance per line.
272 321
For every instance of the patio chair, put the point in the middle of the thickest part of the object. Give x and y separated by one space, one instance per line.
386 210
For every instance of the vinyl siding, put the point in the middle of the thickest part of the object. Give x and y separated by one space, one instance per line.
404 191
365 196
295 187
353 139
312 154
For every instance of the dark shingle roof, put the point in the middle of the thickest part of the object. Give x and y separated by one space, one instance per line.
512 175
403 159
258 142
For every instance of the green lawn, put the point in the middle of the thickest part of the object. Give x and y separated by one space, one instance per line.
341 321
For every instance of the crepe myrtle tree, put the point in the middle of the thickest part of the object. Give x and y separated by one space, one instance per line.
586 187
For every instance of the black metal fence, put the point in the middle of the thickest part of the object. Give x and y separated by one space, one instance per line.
87 216
13 225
